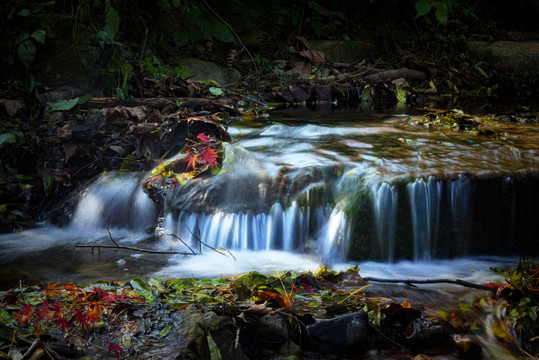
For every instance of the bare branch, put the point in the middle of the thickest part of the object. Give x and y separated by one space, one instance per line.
431 281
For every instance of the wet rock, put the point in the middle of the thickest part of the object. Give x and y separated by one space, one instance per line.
63 93
467 346
422 357
425 330
190 338
272 328
12 106
340 332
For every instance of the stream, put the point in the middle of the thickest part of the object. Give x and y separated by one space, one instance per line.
306 188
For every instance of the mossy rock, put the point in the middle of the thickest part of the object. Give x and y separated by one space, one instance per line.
506 57
344 51
206 70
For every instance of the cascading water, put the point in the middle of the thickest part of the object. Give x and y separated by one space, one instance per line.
346 192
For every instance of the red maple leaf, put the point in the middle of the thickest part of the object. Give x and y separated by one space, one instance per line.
192 161
24 315
116 349
63 324
209 157
82 319
107 296
45 312
203 137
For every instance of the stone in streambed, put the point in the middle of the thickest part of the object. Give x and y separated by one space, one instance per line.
339 332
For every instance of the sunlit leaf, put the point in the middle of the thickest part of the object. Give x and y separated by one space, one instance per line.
166 330
216 91
142 288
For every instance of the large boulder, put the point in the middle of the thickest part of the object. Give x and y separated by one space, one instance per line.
506 57
344 51
205 70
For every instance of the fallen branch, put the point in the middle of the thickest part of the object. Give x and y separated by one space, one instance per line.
408 74
433 281
99 247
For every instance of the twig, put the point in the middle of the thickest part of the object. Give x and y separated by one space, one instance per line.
183 242
233 32
389 339
197 238
432 281
110 235
248 98
135 249
31 349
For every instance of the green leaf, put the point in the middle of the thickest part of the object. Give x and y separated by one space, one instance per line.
113 22
84 99
3 208
215 353
422 7
401 95
166 330
39 36
24 12
27 52
441 12
9 138
143 289
49 183
63 105
216 91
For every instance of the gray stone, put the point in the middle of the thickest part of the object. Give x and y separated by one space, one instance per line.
189 338
340 332
272 328
506 57
344 51
206 70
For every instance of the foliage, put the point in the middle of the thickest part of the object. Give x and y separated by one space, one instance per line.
203 152
66 308
153 67
442 8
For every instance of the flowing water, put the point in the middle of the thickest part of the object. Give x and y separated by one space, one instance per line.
308 188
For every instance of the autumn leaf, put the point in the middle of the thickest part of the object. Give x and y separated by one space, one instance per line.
82 319
63 324
209 157
45 312
203 137
193 161
24 315
95 313
116 349
52 290
281 300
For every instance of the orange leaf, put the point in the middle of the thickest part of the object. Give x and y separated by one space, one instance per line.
193 161
51 290
281 300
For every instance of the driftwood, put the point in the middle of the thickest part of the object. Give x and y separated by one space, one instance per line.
389 75
433 281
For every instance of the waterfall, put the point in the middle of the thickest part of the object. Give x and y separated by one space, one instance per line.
385 201
116 200
425 200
